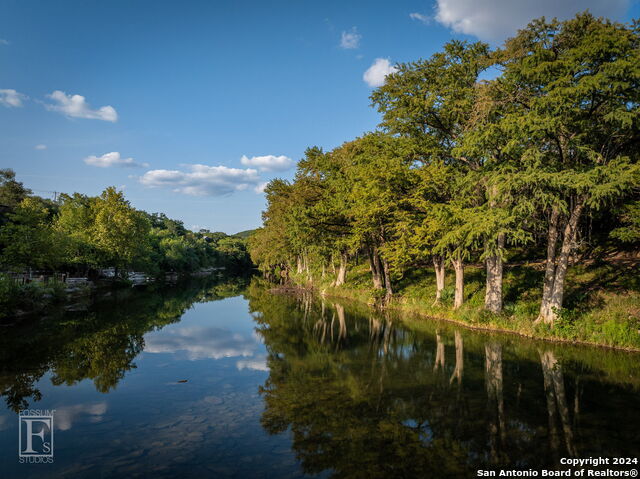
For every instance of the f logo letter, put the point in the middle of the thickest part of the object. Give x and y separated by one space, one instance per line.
30 433
36 436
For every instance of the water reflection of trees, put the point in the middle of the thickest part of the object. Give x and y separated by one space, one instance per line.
556 403
99 344
495 399
364 397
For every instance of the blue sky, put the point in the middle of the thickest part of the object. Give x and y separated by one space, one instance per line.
175 94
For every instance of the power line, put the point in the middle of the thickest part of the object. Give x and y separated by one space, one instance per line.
54 193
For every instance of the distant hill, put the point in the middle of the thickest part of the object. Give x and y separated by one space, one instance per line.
244 234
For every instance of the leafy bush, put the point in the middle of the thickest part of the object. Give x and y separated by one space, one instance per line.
8 294
28 297
565 324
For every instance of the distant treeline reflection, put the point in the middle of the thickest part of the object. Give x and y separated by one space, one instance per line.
98 344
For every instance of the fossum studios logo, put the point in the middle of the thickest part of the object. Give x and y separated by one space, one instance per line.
35 442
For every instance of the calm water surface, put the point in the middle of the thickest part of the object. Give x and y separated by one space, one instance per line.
225 379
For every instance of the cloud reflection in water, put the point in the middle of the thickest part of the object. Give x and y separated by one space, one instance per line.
201 342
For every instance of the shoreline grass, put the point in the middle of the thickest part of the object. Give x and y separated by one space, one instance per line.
602 301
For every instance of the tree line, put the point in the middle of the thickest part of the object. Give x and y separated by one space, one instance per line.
80 234
530 148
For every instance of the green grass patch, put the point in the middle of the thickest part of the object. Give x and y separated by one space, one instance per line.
602 300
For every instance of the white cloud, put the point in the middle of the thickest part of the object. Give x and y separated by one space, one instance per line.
40 147
420 17
255 364
203 180
268 162
11 98
350 40
67 415
201 342
260 187
498 19
4 42
376 73
112 159
76 106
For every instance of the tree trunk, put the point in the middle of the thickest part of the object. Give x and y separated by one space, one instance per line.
299 265
439 361
493 295
557 264
438 265
458 267
342 324
376 268
556 402
457 372
306 299
387 279
284 273
494 385
550 265
342 270
568 246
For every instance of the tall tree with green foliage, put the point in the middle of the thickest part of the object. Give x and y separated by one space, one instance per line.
119 231
28 241
496 218
12 192
577 86
379 182
270 246
431 101
424 222
76 221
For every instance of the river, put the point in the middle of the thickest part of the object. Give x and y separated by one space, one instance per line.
225 378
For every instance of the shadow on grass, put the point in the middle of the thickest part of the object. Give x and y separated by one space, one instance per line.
522 281
586 283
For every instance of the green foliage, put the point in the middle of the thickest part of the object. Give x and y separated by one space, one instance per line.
244 234
119 231
12 192
33 296
27 239
630 219
433 102
475 170
79 233
8 294
234 252
565 323
75 221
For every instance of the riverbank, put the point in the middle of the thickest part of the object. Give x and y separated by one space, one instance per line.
36 297
602 301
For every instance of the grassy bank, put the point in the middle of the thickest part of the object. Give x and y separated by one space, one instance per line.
602 300
16 299
20 301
